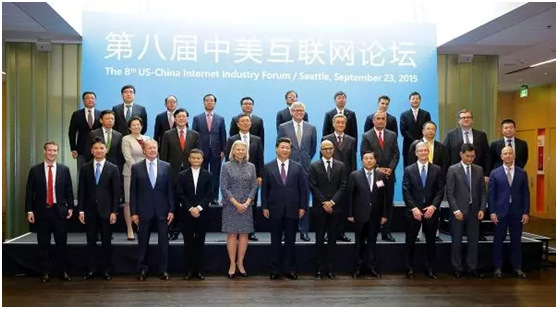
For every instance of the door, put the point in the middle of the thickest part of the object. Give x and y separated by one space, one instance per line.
530 136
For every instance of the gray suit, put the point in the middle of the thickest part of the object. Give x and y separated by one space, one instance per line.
458 195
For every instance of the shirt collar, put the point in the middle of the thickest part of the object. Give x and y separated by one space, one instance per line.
511 138
279 162
102 162
325 160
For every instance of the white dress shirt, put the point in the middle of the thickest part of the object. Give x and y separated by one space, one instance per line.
196 176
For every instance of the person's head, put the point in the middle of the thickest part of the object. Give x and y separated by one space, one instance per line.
340 99
98 148
422 151
51 151
508 128
290 97
429 130
467 153
507 155
339 123
195 158
128 93
88 99
135 124
383 103
181 117
297 111
369 160
379 120
247 105
209 101
107 119
244 123
150 149
238 152
327 149
465 118
283 148
171 102
414 99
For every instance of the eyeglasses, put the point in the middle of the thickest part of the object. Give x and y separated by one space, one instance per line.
329 148
466 117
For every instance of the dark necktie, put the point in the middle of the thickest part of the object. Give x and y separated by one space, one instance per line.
328 170
469 184
369 178
90 119
467 140
509 143
128 112
283 174
50 189
339 141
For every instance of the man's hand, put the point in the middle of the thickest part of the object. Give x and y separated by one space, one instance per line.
301 213
31 218
74 154
222 155
70 212
266 213
259 181
417 215
458 215
383 221
82 218
351 219
525 219
170 217
480 215
194 212
429 211
112 218
135 219
328 207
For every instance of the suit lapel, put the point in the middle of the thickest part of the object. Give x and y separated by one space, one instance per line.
276 170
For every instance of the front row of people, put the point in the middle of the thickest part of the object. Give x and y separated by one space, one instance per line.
49 204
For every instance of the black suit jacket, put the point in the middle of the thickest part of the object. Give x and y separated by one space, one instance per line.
453 141
120 123
391 123
255 151
386 157
415 195
363 203
147 201
191 196
170 151
521 153
284 115
36 190
79 127
328 189
441 155
284 200
101 199
114 155
347 153
257 127
161 126
457 190
351 128
411 129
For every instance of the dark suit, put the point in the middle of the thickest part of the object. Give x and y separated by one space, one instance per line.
169 149
213 144
391 123
453 141
388 156
509 203
80 127
152 205
257 127
419 196
284 115
114 154
458 195
120 122
521 153
194 229
98 201
161 126
411 129
440 158
50 219
326 188
283 203
367 208
351 127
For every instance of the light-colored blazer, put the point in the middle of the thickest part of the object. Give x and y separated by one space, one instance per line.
132 152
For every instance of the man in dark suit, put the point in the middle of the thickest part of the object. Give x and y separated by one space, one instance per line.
213 136
423 191
152 203
123 112
255 155
467 200
383 143
165 120
351 127
508 201
345 148
194 191
49 203
303 148
391 122
367 210
110 137
327 184
284 115
411 122
520 148
284 201
437 152
82 122
98 197
257 127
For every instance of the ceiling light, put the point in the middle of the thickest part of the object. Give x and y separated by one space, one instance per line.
541 63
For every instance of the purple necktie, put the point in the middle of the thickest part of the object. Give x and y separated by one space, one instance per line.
283 174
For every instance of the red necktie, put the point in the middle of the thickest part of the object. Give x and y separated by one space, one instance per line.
381 139
50 188
182 140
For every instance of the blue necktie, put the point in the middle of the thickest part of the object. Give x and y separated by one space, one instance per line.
469 183
97 173
152 174
369 177
423 176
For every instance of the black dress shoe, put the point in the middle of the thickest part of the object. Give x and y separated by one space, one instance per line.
201 277
215 201
165 276
318 275
292 275
482 238
304 237
476 273
330 275
520 274
457 274
410 274
431 274
274 276
188 276
438 239
498 273
252 237
89 275
355 274
141 275
388 237
107 276
243 274
45 278
344 238
66 277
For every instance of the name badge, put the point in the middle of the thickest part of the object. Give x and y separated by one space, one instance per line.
380 183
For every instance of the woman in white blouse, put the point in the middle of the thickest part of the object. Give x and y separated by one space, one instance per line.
132 149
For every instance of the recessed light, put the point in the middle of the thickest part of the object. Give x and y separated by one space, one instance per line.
545 73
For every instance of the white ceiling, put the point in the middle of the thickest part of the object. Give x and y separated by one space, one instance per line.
522 37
